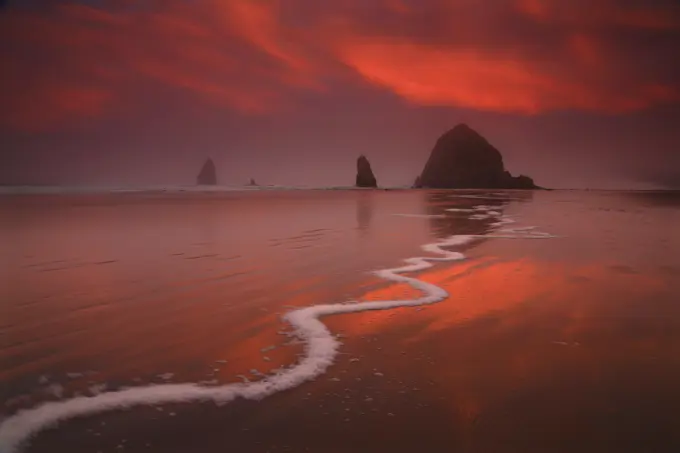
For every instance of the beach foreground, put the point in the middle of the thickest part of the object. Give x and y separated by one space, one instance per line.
553 324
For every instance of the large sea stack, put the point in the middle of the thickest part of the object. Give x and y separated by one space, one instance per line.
365 177
463 159
208 174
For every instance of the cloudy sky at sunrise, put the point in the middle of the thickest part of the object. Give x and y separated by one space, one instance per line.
578 93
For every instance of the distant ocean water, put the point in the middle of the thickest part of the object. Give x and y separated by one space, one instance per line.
48 189
114 300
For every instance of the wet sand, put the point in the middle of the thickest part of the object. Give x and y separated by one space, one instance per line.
561 345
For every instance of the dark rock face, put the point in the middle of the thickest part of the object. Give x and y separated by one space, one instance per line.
417 184
523 182
463 159
208 174
365 177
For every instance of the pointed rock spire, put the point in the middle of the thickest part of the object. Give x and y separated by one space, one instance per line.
208 174
365 176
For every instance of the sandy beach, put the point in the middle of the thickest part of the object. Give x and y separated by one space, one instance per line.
559 331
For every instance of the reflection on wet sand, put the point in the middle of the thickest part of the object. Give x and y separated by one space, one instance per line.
662 198
364 203
542 347
535 355
450 211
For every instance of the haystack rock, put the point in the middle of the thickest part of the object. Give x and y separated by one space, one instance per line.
463 159
365 177
208 174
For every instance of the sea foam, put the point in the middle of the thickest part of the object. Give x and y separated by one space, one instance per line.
321 348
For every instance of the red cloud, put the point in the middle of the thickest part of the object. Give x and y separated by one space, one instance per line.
487 80
440 76
489 58
599 13
526 56
227 52
51 105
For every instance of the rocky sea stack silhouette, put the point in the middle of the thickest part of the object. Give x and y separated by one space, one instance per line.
208 174
365 176
463 159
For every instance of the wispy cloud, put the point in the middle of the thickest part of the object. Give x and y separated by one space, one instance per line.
74 61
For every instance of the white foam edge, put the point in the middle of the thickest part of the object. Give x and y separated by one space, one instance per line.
321 348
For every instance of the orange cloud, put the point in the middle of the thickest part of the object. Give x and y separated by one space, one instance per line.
484 80
488 59
522 56
466 78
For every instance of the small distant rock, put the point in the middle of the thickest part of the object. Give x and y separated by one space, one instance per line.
208 174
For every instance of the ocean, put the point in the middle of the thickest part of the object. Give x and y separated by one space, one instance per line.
339 320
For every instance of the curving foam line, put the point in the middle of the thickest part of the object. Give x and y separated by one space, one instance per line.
321 348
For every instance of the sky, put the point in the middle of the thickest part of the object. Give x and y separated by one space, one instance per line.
576 94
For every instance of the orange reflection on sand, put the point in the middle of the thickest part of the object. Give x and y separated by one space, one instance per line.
444 276
515 327
483 287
